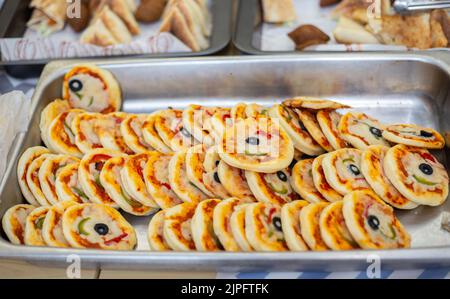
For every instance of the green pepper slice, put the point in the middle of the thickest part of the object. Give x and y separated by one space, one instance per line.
284 190
39 222
423 181
81 226
255 154
393 233
131 202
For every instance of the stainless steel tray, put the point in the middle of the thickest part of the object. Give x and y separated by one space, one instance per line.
248 31
394 88
15 14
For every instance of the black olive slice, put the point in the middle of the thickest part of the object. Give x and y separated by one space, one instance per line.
282 176
101 229
276 221
375 131
75 85
216 177
425 134
354 169
426 168
185 132
252 140
373 221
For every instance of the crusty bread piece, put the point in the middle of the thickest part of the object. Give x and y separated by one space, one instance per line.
97 34
115 25
348 31
413 31
278 11
175 23
195 21
123 10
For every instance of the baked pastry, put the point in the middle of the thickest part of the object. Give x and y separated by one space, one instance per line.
177 227
155 232
307 35
302 181
320 181
328 121
60 135
313 103
14 221
372 223
91 88
372 160
234 181
278 11
108 131
416 174
97 226
414 135
290 222
204 237
263 227
68 187
52 231
309 225
131 129
33 227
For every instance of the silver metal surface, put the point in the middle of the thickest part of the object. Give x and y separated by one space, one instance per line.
392 87
403 6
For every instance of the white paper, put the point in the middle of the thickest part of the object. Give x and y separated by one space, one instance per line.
14 118
274 37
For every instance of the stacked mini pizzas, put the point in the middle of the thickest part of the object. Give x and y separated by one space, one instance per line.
294 176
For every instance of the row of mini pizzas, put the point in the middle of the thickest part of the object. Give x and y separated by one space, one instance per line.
69 224
360 220
403 176
303 125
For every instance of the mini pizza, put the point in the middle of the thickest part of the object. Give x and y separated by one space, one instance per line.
360 130
309 120
151 136
84 128
131 130
97 226
13 222
237 226
60 135
218 122
255 111
313 103
204 237
179 181
333 229
33 227
263 227
372 160
111 180
155 233
89 175
49 171
67 186
342 169
133 181
201 170
302 181
109 134
238 111
156 177
48 114
91 88
221 222
195 156
169 125
211 177
414 135
309 226
295 128
328 121
23 165
271 187
416 174
372 223
320 181
234 181
259 145
52 231
196 122
33 179
177 227
290 221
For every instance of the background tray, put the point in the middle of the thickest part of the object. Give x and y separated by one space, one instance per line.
248 32
393 88
16 13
